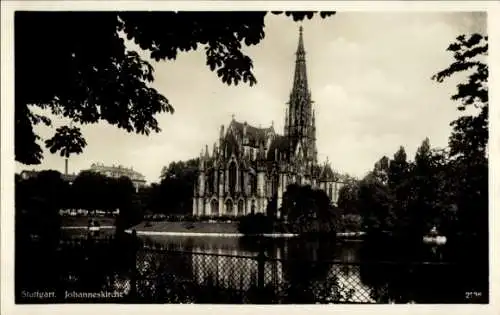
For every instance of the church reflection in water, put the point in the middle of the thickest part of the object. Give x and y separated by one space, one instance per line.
227 264
296 271
229 269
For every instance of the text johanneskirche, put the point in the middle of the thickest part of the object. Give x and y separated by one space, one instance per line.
251 165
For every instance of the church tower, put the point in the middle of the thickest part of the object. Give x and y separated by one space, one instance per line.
300 122
251 167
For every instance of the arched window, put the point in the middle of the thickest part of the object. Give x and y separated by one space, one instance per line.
214 207
232 177
274 180
211 181
253 184
229 206
241 207
242 181
252 208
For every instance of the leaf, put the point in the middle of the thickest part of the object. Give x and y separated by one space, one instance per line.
470 133
67 140
90 77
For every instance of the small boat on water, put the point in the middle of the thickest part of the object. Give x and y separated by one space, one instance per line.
434 238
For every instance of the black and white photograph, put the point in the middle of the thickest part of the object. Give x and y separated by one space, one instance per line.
246 156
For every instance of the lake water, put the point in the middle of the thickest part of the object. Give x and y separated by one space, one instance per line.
348 271
183 269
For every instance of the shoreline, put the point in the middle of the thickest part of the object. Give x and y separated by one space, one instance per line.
271 235
147 232
85 227
166 233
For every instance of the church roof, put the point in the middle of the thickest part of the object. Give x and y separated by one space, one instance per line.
327 173
280 143
231 145
317 169
255 135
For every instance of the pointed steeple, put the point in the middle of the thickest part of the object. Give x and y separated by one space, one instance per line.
201 160
300 48
300 79
300 104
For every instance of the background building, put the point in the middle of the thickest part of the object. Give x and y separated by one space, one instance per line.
250 165
119 171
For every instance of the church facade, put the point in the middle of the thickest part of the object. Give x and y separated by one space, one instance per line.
249 166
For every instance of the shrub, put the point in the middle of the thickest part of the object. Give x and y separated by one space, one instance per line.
350 223
255 224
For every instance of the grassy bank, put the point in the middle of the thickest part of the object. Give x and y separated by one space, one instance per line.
212 228
83 221
188 227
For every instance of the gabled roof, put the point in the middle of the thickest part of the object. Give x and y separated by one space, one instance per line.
316 172
230 145
327 173
280 144
255 135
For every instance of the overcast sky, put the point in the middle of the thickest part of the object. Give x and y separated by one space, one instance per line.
369 74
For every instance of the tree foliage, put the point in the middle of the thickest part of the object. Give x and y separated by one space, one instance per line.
89 190
470 132
38 201
381 170
309 209
443 188
347 197
255 224
66 140
76 65
179 169
174 194
375 205
469 139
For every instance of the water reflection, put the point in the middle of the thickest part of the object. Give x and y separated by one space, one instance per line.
294 271
248 270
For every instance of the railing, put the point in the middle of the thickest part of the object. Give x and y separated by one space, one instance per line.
140 274
174 276
168 276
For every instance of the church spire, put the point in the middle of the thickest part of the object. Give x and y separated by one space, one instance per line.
301 40
300 78
300 122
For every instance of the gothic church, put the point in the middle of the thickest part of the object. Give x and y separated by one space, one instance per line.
250 165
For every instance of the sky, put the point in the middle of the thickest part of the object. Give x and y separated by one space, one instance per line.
370 78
